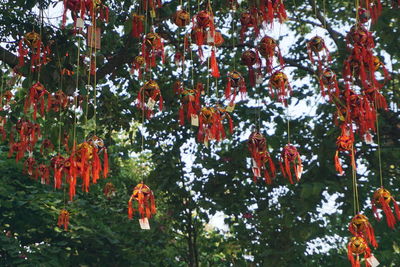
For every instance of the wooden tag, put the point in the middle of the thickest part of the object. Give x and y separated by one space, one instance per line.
210 38
195 120
259 79
79 23
93 40
152 13
151 103
144 224
230 107
373 261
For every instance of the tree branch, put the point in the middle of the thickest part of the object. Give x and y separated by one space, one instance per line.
336 36
8 58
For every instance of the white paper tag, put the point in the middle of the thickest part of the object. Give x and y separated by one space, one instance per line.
259 79
151 103
373 261
206 142
144 224
230 107
79 23
195 120
210 38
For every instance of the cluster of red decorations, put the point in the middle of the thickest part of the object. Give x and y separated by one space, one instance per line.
31 46
290 160
82 8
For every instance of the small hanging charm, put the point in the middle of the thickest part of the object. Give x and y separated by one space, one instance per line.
251 60
203 26
36 98
181 18
63 219
137 25
290 156
190 103
268 48
237 83
43 172
145 199
316 46
344 143
257 145
360 226
57 101
356 247
374 7
250 19
279 86
109 190
152 46
148 95
273 9
30 166
329 84
382 199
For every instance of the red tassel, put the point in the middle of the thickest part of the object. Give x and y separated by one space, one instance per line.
396 209
130 210
181 116
214 65
228 89
390 219
105 164
338 165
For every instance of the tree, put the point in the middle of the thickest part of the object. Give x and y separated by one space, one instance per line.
268 225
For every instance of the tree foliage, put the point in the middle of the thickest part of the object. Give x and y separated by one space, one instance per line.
279 225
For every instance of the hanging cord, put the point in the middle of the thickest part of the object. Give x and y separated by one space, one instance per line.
41 42
2 82
288 121
61 86
76 91
379 146
355 185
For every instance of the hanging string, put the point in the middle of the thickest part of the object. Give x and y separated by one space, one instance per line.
355 186
95 79
233 39
76 90
2 81
61 86
379 146
325 16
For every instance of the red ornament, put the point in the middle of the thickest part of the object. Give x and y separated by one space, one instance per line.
35 48
237 83
152 46
137 25
190 103
137 64
36 98
268 48
382 199
273 9
316 46
250 19
203 29
360 226
30 166
329 84
251 60
57 101
46 147
279 86
63 219
291 157
357 246
109 190
148 95
257 145
43 172
181 18
344 142
211 124
145 199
